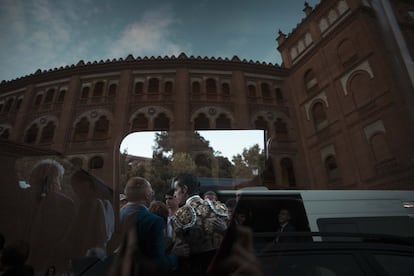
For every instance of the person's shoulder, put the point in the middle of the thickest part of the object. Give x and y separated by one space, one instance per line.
63 198
218 207
290 227
152 220
185 216
60 200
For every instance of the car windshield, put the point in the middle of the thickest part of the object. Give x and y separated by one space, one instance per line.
160 138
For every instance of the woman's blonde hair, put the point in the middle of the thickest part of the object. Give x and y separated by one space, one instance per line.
44 174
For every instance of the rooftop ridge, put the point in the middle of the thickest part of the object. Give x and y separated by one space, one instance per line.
130 58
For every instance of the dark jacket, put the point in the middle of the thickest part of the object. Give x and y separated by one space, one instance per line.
287 228
150 232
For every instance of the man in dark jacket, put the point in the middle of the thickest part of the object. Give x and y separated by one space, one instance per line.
285 225
149 229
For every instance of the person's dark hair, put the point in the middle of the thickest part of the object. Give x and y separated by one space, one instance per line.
170 192
189 180
15 254
284 209
159 208
212 193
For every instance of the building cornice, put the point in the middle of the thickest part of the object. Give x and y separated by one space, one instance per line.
83 68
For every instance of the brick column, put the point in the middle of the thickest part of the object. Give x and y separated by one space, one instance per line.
63 130
17 133
117 131
181 109
239 96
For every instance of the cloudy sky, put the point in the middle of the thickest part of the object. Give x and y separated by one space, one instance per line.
52 33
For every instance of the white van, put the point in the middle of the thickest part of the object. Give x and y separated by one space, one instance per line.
349 211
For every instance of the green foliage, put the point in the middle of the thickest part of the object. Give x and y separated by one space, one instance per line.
182 163
160 174
225 167
252 158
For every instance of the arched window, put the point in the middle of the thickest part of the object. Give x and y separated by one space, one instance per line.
153 85
380 147
31 134
85 92
279 95
311 83
261 123
101 128
8 105
18 104
77 162
195 88
98 89
288 173
168 87
223 122
81 130
112 90
280 127
140 122
38 99
61 97
139 88
332 16
251 91
162 122
265 90
225 89
96 162
342 6
319 116
5 134
211 86
49 96
331 167
48 133
323 24
201 122
361 88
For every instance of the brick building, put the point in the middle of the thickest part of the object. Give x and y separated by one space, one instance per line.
351 89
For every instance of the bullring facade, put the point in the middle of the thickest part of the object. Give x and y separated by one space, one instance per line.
84 111
338 111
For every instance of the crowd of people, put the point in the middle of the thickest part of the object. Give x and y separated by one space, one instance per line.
179 236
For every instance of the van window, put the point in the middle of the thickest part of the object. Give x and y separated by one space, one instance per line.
262 209
397 225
